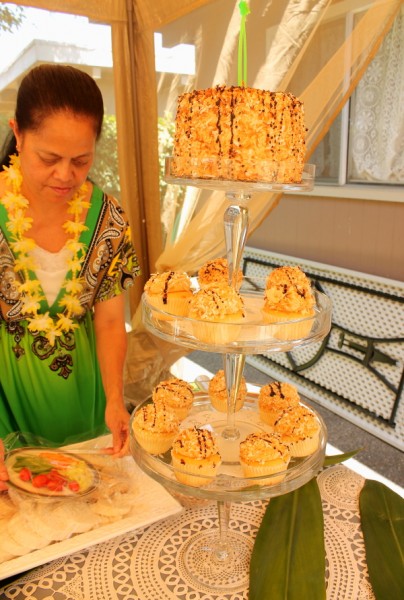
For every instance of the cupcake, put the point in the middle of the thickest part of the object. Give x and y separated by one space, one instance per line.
195 456
169 291
176 394
217 271
288 297
155 427
264 454
218 392
274 398
299 428
219 304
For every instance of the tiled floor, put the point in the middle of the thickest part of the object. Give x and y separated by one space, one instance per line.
375 453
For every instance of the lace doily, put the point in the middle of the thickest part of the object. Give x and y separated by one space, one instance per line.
147 565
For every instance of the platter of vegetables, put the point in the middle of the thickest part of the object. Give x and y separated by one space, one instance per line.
48 473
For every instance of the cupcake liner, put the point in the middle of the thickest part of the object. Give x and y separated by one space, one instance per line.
304 447
177 304
288 330
270 468
216 333
195 472
154 442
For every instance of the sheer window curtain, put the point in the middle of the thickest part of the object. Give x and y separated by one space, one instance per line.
377 136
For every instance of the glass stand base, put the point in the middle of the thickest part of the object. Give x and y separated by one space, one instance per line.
211 566
228 439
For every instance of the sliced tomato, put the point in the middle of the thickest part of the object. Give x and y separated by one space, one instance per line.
74 486
40 480
25 474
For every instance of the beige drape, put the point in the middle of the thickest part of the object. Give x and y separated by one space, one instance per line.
324 96
324 93
133 24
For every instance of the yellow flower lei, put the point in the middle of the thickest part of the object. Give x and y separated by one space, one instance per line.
30 290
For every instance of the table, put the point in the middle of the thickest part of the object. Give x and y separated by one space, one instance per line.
146 564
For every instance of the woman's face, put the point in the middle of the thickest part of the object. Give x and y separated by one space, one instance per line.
56 158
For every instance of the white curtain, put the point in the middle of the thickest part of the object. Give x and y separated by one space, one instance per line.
377 136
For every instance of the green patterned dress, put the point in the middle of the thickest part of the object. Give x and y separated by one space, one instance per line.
55 392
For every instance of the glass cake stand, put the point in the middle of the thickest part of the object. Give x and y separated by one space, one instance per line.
219 560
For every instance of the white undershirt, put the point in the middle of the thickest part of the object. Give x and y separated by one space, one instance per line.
51 269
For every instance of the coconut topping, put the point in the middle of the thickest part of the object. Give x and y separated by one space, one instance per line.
195 442
216 271
263 448
162 284
217 387
158 418
278 395
288 289
215 302
173 391
297 423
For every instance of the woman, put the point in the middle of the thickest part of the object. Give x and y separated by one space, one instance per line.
65 258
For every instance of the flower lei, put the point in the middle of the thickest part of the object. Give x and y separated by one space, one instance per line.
30 290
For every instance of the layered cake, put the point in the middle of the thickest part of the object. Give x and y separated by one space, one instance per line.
288 297
300 430
176 394
216 271
239 133
264 454
218 392
216 304
170 291
155 427
274 398
195 456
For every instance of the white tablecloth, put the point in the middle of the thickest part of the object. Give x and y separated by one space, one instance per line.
146 564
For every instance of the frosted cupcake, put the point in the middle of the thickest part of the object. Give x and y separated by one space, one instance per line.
218 392
170 292
288 297
299 428
217 271
219 304
264 454
274 398
195 456
176 394
155 427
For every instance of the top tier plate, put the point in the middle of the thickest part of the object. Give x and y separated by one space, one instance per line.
268 175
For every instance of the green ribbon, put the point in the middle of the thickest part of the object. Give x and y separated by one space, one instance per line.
242 44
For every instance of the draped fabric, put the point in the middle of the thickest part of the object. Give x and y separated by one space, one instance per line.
324 92
290 60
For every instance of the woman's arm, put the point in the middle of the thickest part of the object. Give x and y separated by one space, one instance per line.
111 341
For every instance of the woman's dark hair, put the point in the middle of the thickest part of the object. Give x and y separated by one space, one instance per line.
47 89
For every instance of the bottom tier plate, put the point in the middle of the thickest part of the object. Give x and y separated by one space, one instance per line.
229 484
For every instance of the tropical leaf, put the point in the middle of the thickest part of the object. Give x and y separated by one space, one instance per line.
288 558
382 520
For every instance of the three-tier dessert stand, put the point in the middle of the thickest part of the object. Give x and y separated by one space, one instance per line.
219 560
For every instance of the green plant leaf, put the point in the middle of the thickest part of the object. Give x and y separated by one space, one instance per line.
382 520
288 557
335 459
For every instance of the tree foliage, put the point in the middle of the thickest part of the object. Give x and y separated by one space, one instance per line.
10 18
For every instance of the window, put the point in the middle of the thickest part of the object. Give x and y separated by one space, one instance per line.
365 144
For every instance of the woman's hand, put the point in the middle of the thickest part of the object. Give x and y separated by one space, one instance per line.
117 421
3 470
109 322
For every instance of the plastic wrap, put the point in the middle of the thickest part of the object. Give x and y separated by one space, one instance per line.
30 521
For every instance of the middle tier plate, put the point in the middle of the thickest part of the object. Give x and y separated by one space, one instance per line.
229 484
253 335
